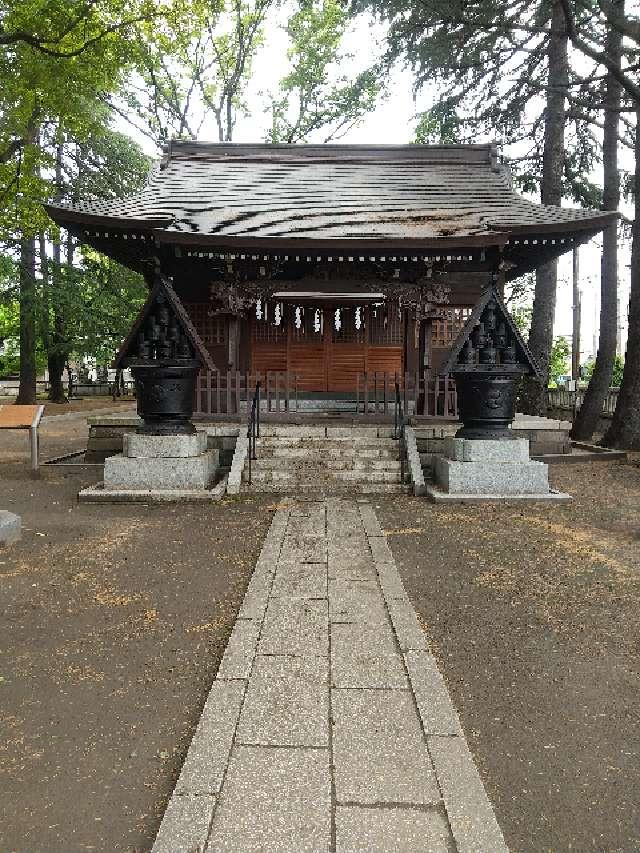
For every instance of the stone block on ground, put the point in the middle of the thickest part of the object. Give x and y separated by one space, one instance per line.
10 527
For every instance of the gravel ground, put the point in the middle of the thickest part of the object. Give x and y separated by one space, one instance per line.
534 615
114 622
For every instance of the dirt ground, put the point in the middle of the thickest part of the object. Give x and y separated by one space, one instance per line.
80 404
534 615
114 619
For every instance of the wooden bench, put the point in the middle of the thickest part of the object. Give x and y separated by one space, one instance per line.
24 417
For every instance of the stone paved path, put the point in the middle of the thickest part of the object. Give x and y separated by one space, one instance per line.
329 726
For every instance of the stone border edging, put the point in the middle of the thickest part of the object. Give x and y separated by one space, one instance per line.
413 458
471 816
190 811
234 480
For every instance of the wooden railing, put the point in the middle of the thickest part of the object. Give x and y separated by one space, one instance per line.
424 395
560 398
219 393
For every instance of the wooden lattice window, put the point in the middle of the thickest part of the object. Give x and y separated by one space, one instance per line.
307 327
266 332
385 325
348 333
445 329
212 328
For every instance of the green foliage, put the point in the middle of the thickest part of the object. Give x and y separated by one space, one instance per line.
616 377
315 95
439 126
487 66
522 316
559 360
198 61
59 60
99 300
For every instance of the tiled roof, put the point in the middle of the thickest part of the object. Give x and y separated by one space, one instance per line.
331 192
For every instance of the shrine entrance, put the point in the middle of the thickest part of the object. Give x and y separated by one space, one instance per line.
327 347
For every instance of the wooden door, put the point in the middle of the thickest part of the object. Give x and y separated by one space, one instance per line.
306 356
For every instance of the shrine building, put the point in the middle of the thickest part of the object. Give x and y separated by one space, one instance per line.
329 263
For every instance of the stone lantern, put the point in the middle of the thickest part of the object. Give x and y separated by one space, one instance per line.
487 360
485 460
165 355
166 458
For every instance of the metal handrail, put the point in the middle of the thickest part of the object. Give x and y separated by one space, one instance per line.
253 426
399 430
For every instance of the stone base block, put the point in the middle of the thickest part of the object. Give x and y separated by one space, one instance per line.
98 494
195 472
437 496
139 446
10 527
473 450
493 478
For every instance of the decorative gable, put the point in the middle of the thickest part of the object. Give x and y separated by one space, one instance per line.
163 332
490 340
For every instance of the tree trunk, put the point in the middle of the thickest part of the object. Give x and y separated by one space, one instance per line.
27 390
587 418
56 363
56 348
533 399
624 432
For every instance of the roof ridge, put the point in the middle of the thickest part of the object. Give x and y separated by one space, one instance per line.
463 153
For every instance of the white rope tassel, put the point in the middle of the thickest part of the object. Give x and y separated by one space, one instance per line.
338 320
277 317
358 319
298 318
259 309
317 324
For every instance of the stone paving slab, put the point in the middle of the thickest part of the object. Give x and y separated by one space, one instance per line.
276 800
329 726
392 830
287 703
379 752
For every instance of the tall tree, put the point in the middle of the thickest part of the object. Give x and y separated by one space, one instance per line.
106 165
196 65
589 414
624 431
534 395
502 69
316 95
57 59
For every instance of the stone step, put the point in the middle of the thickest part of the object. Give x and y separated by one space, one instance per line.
354 463
334 433
321 441
319 490
277 476
322 452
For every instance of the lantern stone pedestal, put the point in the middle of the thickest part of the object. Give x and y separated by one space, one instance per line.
484 470
159 468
